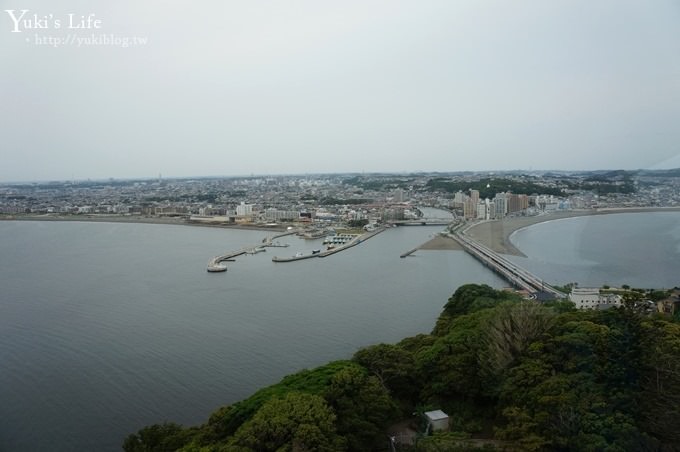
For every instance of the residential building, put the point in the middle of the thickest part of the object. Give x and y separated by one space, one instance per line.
591 298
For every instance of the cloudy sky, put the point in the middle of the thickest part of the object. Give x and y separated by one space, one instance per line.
269 87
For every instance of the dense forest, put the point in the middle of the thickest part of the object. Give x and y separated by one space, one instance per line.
512 375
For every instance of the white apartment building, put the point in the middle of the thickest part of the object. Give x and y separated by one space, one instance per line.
244 210
501 204
273 214
591 298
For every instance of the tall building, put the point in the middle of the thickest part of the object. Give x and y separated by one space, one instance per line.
458 201
244 210
490 209
501 204
474 195
470 205
481 210
517 203
469 208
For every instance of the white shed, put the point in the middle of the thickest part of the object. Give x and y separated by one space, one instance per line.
437 420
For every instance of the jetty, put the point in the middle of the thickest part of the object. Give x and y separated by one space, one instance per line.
409 252
216 264
354 242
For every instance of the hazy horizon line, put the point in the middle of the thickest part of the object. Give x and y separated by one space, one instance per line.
322 173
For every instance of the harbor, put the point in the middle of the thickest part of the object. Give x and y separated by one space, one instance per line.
336 243
515 275
216 264
356 240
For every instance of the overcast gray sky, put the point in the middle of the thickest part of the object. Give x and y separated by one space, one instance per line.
268 87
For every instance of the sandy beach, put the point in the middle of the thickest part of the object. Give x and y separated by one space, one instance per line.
496 234
440 243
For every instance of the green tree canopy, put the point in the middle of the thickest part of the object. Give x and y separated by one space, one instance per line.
295 422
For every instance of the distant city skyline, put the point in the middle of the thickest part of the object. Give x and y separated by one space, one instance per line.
128 90
483 172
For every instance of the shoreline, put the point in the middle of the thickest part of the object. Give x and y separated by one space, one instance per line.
172 221
496 234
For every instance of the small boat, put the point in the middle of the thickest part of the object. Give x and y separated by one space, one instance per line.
316 251
298 254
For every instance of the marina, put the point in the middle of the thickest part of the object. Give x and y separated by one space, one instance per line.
215 265
357 239
336 243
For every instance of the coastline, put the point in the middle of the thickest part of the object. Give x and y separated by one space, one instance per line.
496 234
137 220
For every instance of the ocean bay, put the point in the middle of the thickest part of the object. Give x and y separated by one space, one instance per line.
637 249
109 327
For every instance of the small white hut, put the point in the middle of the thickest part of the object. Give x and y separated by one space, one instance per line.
437 420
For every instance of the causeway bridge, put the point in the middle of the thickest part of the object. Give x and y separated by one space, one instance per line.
512 272
423 222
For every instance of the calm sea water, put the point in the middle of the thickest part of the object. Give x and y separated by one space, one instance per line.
105 328
638 249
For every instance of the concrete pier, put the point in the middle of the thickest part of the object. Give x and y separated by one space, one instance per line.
357 240
216 265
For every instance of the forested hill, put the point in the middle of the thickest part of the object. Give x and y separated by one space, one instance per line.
526 375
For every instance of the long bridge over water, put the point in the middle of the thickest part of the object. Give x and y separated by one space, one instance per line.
512 272
422 222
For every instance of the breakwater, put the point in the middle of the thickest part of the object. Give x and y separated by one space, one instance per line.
354 242
216 265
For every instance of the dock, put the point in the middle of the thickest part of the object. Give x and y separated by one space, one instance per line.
216 265
357 240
